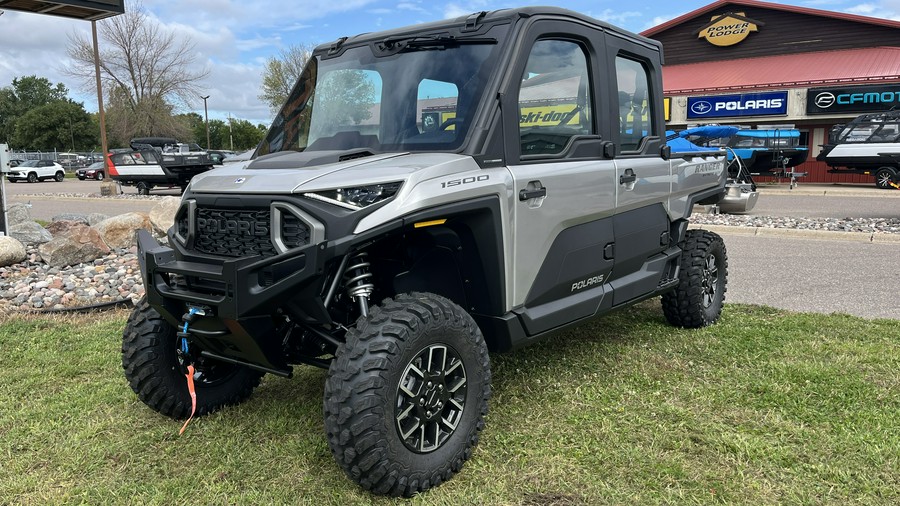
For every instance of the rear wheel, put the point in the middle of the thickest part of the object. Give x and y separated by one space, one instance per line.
702 281
884 177
143 188
407 394
153 370
59 177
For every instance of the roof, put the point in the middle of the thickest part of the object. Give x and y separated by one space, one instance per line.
720 4
91 10
849 66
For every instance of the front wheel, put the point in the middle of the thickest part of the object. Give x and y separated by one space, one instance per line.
32 177
407 394
884 177
702 281
153 370
99 176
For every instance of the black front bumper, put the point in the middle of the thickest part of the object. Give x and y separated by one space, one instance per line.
232 289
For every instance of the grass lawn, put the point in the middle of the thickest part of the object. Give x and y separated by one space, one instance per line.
766 407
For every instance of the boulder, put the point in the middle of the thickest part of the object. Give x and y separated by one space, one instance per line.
118 231
65 227
30 232
80 244
162 216
18 213
12 251
95 218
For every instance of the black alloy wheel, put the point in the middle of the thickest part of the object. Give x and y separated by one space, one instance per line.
431 398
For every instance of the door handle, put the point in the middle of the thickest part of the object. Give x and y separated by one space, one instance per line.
627 177
533 194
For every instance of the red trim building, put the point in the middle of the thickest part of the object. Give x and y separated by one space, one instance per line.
760 64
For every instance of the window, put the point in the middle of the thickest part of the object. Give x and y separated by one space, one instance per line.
437 102
554 97
635 114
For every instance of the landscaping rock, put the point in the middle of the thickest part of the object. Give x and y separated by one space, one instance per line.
118 231
162 216
18 213
30 232
79 244
64 227
95 218
12 251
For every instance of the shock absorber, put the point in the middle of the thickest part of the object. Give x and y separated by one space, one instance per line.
357 281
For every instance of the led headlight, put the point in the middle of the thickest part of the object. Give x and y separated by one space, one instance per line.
358 197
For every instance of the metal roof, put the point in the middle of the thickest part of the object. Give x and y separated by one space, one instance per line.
720 4
78 9
849 66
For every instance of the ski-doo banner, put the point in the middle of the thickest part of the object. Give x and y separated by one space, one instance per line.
772 103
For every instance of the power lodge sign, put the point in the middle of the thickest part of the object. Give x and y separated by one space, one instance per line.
728 29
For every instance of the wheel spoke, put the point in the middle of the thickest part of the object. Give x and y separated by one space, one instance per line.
405 435
462 381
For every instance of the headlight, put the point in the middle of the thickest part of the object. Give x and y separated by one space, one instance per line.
358 197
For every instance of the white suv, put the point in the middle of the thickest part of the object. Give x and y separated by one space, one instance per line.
37 170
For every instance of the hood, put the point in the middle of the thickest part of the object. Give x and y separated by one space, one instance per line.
284 173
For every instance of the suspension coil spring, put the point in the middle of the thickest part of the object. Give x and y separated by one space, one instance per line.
357 277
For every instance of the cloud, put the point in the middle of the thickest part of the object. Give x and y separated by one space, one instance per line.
883 9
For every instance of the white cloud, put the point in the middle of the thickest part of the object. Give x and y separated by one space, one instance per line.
886 9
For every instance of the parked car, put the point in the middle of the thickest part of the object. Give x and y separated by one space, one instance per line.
218 156
96 170
37 170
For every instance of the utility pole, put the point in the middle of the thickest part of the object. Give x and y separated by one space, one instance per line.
206 117
230 133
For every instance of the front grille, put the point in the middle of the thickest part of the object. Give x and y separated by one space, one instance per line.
234 232
245 232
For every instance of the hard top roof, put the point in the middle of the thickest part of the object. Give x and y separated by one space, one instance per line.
497 16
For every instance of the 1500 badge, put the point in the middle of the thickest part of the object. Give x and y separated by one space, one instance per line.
465 180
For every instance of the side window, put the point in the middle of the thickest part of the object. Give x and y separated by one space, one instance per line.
554 97
437 101
635 113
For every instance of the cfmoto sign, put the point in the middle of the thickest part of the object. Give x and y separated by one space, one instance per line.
856 99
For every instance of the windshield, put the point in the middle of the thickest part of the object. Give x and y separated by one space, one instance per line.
29 163
414 94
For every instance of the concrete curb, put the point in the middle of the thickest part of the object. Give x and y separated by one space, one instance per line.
827 190
826 235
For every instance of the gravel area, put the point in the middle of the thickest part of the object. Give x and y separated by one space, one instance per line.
868 225
33 285
121 196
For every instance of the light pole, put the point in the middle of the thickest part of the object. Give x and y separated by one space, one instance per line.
206 118
230 133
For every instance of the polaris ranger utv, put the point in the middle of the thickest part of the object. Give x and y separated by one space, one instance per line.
396 254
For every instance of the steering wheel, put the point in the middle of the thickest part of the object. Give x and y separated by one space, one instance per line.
450 122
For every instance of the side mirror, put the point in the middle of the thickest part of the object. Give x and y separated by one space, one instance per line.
610 150
665 151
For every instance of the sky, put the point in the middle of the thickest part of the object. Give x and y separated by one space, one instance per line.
234 39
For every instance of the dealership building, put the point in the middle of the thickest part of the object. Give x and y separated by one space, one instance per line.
765 65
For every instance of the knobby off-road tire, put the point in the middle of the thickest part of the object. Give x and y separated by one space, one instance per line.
403 368
151 366
702 282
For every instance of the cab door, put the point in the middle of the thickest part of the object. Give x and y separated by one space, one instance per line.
564 190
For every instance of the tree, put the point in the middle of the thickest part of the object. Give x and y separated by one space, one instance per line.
342 97
245 135
58 124
145 71
25 94
282 72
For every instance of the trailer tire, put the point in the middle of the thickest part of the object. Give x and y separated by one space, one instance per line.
143 188
884 176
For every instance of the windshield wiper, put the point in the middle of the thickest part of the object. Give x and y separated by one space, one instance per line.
394 45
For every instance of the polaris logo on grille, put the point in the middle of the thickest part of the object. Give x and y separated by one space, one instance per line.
235 227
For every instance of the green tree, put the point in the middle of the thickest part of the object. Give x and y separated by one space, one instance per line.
245 135
61 124
25 94
342 97
281 72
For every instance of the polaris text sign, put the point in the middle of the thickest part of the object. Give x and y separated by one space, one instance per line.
729 106
852 100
